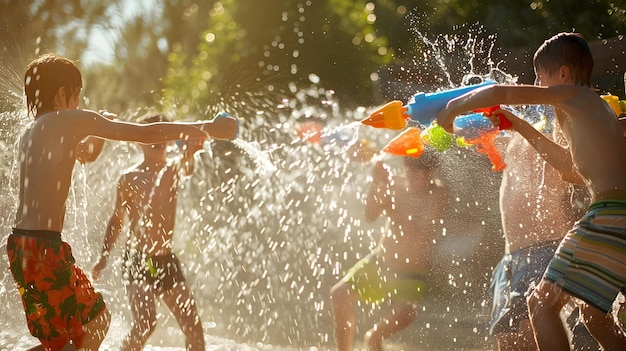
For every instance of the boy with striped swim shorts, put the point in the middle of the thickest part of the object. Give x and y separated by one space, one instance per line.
589 264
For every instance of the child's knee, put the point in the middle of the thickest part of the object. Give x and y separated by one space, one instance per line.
546 296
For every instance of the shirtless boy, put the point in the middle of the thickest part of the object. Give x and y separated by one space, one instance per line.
589 265
60 304
537 208
146 198
394 272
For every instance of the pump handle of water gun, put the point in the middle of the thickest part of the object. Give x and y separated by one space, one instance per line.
504 122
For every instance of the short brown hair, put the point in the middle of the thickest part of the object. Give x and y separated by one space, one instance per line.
43 78
566 49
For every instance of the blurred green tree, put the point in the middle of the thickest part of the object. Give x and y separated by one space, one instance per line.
251 51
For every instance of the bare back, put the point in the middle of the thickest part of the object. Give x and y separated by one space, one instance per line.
150 198
48 154
47 157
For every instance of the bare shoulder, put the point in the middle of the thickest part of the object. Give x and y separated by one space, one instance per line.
538 95
78 123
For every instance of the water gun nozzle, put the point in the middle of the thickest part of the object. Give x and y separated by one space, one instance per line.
391 116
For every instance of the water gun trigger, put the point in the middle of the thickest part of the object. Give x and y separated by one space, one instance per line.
504 122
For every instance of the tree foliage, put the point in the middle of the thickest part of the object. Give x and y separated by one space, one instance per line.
197 56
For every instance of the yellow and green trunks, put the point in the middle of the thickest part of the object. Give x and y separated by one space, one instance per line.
374 284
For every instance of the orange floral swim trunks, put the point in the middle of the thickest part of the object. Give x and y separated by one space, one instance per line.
57 296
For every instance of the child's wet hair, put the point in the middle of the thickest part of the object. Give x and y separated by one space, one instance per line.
43 78
566 49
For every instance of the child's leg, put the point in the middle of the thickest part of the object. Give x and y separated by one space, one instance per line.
342 299
183 307
544 307
402 314
143 308
521 340
96 330
604 328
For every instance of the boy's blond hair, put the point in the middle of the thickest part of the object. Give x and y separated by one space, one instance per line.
566 49
43 78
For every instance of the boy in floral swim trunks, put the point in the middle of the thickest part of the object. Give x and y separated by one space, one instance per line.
393 274
589 266
62 308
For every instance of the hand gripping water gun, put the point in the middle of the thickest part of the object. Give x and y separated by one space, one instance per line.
477 130
422 108
473 128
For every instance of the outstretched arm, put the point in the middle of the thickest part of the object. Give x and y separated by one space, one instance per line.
557 156
221 127
114 228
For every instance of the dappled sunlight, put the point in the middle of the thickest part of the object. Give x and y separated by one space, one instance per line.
269 222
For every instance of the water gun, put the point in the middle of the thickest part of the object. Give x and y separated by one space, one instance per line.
471 129
477 130
409 143
617 105
422 108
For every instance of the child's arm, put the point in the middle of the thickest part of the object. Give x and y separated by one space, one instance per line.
378 194
90 148
503 94
557 156
114 228
221 127
85 123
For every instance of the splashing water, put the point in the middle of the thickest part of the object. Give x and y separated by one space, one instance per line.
268 223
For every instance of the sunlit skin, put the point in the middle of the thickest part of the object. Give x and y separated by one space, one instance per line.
410 203
146 200
531 196
594 156
50 145
533 206
582 116
48 153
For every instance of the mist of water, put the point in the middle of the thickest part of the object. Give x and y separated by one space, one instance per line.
267 224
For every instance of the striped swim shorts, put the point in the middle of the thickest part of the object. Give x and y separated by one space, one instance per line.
590 262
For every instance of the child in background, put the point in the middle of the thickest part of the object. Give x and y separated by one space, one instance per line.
393 273
589 266
146 199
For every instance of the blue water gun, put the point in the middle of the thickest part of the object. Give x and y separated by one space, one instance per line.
421 108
